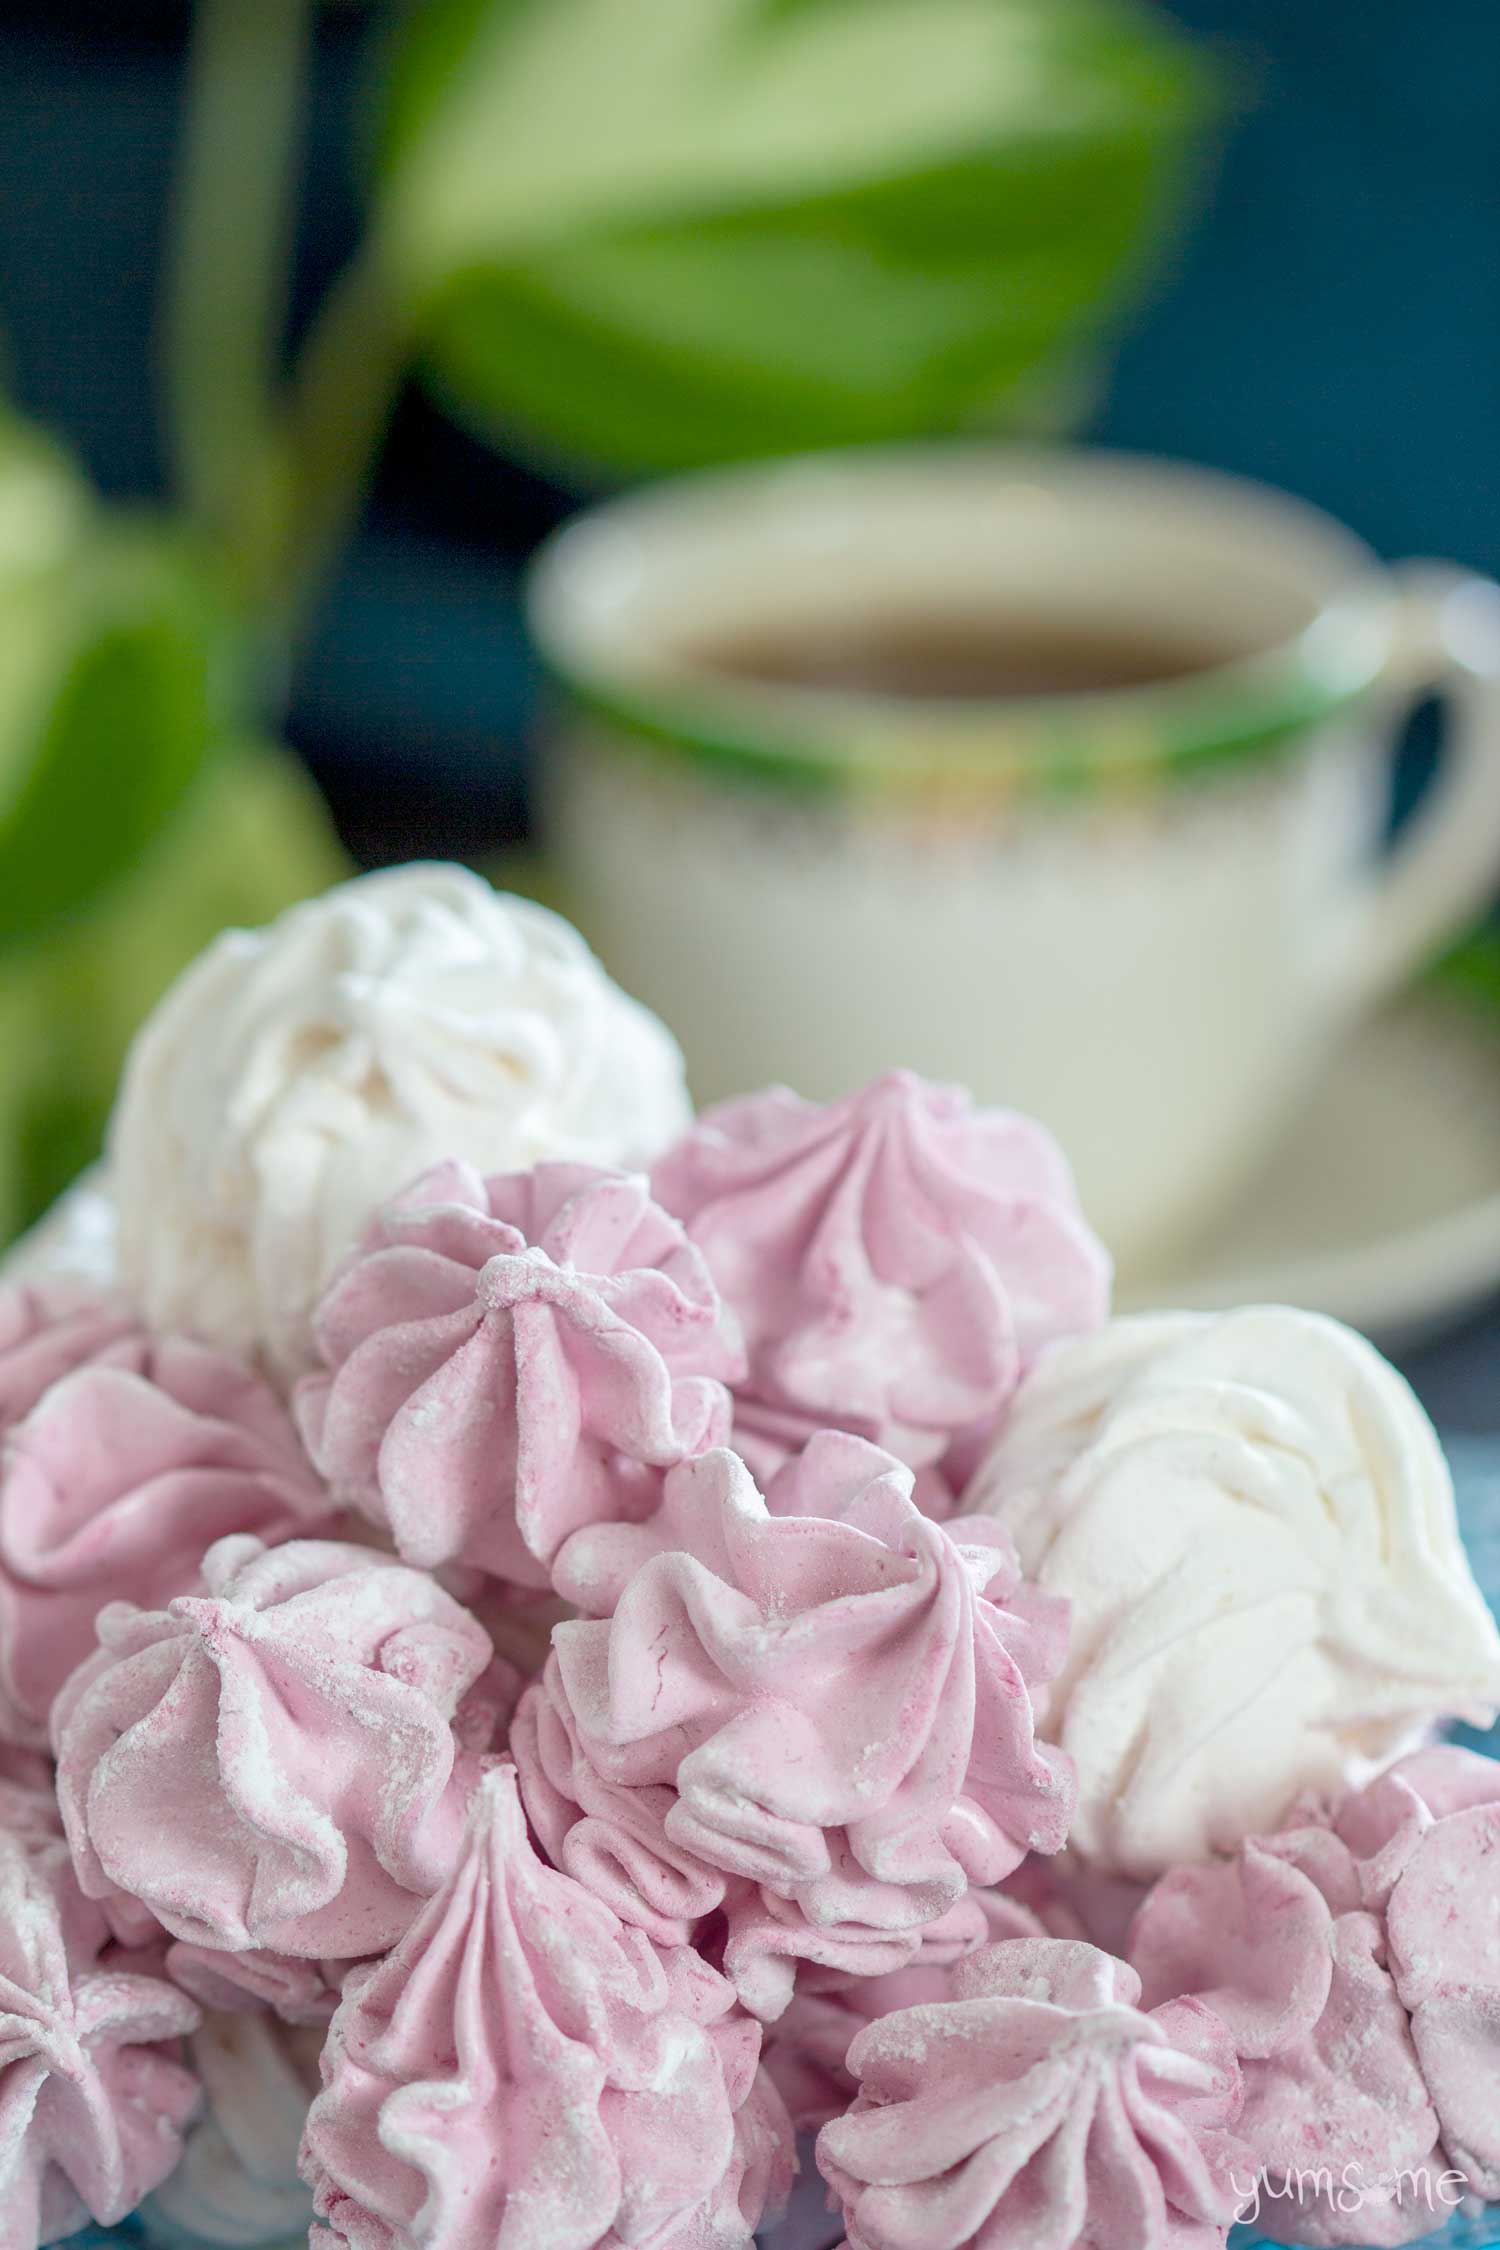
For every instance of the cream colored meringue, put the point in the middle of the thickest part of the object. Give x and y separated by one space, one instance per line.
76 1240
1253 1522
237 2182
296 1076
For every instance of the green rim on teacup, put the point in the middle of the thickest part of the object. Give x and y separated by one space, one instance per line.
1252 709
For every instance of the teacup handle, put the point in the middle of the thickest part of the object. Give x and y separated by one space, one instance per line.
1445 869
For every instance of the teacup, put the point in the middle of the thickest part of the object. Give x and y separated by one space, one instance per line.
1137 891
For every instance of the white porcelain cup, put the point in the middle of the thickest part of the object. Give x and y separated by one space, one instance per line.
1141 914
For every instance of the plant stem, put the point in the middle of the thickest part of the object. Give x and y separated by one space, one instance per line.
228 256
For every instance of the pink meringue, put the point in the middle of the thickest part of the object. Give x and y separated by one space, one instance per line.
1442 1929
820 1724
765 1943
1071 1900
525 2069
28 1800
826 1475
299 1993
1040 2106
895 1260
806 2049
772 1444
289 1736
113 1486
1355 1959
21 1768
49 1327
512 1358
92 2101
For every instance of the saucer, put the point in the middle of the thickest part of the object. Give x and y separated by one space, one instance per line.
1381 1205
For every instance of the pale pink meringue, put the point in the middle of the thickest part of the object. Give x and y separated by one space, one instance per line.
21 1768
771 1444
824 1477
92 2099
895 1260
819 1724
806 2049
300 1993
766 1942
1040 2106
1071 1900
28 1797
112 1487
276 1762
519 1624
1442 1931
1355 1958
524 2069
512 1358
47 1328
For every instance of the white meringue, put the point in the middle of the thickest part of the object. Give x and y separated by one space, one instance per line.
1252 1519
237 2181
296 1076
76 1240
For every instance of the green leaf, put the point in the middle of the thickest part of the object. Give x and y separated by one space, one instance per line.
839 328
1470 972
647 233
100 761
526 119
46 518
44 503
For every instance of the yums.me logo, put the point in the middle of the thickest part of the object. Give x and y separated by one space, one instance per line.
1349 2190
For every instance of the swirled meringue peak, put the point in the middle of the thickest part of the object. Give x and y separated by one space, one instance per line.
92 2101
806 2048
275 1762
1254 1524
513 1358
524 2069
1041 2106
113 1486
295 1076
772 1443
1354 1956
827 1714
896 1260
237 2183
